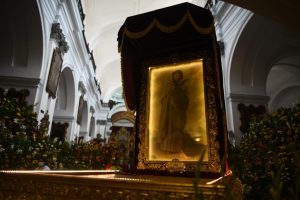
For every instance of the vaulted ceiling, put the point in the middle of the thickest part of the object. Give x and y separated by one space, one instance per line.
103 19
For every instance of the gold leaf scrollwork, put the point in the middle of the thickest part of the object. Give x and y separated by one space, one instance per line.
175 166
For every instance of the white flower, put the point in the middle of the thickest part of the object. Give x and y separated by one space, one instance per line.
12 146
19 151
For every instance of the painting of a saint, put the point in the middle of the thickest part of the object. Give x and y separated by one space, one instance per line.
176 119
174 105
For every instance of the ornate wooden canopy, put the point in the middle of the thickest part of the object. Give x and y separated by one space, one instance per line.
174 29
172 37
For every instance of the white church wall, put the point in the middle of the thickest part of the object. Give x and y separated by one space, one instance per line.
283 83
253 44
21 40
287 96
230 20
21 47
77 58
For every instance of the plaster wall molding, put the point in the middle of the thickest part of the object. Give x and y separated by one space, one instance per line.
248 98
19 81
82 87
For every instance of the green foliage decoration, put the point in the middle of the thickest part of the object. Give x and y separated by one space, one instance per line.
23 141
267 159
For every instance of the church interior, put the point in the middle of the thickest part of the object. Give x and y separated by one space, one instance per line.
71 96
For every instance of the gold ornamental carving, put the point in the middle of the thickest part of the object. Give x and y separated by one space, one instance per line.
66 187
175 166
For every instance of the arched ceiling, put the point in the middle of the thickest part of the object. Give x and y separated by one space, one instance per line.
103 19
250 66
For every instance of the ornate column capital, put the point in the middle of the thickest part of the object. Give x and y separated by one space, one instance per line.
59 37
82 87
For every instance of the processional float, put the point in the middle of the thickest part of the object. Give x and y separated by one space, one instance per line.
172 81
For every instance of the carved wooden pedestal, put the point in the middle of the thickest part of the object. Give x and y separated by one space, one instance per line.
103 186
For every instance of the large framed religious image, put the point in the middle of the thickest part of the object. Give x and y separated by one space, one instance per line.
54 73
177 127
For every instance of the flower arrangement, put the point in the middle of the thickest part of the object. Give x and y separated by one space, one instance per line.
267 159
23 142
18 126
92 155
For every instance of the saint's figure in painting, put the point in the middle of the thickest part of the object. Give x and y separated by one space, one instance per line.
174 105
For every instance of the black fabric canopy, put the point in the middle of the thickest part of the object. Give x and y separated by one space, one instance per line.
159 33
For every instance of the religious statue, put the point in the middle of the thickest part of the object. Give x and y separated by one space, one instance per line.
44 125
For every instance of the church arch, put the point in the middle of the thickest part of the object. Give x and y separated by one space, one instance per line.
283 82
261 45
21 50
255 54
66 93
64 105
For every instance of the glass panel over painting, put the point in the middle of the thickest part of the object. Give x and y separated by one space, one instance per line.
176 112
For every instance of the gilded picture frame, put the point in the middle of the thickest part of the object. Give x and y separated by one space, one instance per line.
178 121
54 73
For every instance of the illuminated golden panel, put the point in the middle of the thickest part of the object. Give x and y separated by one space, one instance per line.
176 112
